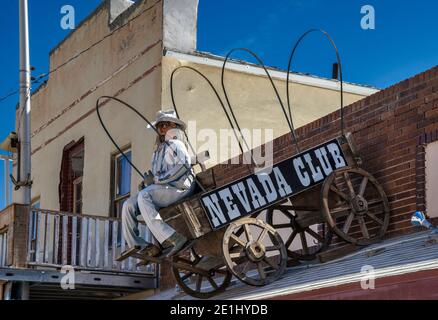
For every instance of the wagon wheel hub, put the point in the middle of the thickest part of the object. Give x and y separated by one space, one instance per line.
359 205
255 251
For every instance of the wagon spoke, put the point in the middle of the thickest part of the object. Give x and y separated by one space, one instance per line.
348 223
221 271
304 242
199 283
186 276
245 267
272 248
337 211
238 240
372 216
288 214
212 282
291 238
248 233
261 271
363 186
315 235
373 202
270 263
339 193
237 255
349 185
363 227
282 226
262 235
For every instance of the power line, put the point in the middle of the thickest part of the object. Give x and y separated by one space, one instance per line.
9 95
44 75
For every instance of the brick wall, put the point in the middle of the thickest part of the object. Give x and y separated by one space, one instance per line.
390 129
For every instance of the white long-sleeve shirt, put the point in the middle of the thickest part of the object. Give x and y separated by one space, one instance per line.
171 164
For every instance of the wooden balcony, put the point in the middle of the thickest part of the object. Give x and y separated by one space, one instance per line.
37 243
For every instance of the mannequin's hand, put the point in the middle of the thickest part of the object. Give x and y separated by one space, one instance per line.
148 178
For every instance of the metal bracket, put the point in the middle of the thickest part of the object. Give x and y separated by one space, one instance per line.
19 184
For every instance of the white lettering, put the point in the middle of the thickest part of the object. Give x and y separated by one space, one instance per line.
336 155
321 154
268 186
233 212
316 171
239 190
283 187
302 175
257 199
214 209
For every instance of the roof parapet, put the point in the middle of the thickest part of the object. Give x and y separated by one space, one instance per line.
117 7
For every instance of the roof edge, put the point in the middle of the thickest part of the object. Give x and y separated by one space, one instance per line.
209 59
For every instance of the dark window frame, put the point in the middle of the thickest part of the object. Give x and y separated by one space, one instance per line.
114 199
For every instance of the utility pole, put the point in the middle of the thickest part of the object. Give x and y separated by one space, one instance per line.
23 195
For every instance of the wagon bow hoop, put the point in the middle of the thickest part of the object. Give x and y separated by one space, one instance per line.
260 62
208 81
340 73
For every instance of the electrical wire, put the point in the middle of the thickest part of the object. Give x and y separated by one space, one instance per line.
9 95
44 75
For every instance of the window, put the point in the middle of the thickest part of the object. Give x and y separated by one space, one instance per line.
121 186
72 171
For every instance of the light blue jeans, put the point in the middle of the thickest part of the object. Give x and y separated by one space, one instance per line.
147 203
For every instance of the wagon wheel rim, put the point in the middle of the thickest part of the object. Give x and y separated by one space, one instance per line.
198 282
255 258
361 215
322 240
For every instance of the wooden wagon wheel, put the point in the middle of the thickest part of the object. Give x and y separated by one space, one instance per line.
190 270
312 242
257 256
355 206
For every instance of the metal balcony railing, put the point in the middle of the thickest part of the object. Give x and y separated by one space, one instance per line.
57 239
84 242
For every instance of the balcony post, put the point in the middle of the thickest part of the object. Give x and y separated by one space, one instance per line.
19 236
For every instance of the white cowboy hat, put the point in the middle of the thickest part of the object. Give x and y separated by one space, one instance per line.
168 115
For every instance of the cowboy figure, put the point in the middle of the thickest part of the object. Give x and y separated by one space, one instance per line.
173 180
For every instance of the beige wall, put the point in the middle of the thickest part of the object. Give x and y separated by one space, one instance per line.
63 110
432 179
254 101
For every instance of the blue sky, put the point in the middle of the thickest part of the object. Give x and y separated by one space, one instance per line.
404 43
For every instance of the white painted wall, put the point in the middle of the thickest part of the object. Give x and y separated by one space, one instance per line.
180 23
432 179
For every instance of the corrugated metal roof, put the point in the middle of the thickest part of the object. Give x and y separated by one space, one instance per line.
400 256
